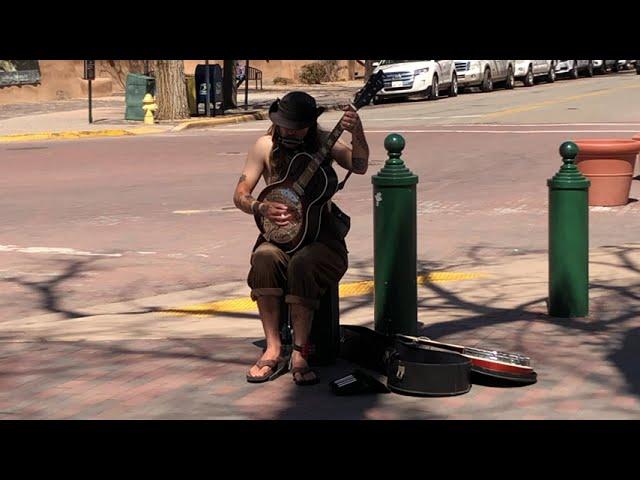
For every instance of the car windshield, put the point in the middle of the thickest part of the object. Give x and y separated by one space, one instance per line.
391 62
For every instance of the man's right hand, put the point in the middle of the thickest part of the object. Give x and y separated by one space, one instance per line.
278 213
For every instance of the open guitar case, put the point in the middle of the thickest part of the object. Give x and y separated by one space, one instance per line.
414 369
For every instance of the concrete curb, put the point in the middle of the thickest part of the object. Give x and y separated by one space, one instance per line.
259 115
145 130
212 122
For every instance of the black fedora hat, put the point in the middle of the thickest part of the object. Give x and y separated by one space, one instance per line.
296 110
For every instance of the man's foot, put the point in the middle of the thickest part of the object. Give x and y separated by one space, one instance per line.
302 374
270 365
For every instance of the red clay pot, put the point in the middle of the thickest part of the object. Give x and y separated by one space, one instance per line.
609 164
636 137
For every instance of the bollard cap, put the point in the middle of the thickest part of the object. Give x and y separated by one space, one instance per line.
569 177
394 173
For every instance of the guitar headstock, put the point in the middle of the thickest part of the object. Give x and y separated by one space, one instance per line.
366 93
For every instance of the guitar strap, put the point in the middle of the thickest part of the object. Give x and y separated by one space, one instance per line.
341 184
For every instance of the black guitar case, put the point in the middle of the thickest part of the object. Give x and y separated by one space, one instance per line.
423 371
411 369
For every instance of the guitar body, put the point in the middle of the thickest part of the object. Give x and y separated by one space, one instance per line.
501 365
306 209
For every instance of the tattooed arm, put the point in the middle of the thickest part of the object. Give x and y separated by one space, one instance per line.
253 169
251 173
356 157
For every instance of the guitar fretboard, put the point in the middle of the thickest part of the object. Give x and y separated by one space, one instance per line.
323 153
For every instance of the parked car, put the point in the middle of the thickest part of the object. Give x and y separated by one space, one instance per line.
601 66
638 67
422 78
528 70
485 73
624 65
573 68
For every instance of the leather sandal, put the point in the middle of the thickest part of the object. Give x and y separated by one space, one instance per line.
304 351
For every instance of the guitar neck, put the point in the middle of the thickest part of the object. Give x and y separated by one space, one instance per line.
323 153
432 343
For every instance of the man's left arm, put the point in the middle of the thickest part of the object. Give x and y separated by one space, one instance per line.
356 157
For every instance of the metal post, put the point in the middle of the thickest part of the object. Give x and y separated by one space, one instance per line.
207 110
90 104
246 85
568 238
394 244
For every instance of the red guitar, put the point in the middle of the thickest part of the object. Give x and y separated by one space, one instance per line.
509 366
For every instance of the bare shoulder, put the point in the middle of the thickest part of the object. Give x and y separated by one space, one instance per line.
263 145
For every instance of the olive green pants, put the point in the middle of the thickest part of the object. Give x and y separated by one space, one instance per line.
302 277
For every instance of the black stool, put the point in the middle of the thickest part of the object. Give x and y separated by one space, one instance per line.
325 328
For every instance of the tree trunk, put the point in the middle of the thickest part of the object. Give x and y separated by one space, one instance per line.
171 91
368 69
229 90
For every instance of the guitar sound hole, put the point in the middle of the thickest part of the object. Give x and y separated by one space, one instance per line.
284 234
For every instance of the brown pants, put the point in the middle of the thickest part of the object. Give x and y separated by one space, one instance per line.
304 276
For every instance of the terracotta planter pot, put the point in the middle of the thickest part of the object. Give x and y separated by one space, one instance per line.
636 137
609 164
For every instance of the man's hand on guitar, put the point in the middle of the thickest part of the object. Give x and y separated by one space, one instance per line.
278 213
351 121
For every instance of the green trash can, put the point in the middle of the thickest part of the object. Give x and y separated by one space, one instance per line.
190 81
137 87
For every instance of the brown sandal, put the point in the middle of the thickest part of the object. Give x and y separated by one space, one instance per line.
302 371
277 366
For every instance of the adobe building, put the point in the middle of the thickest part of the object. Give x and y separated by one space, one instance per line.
46 80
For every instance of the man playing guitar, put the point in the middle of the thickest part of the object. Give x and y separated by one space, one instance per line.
304 274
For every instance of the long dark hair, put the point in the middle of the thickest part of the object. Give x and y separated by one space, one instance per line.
277 157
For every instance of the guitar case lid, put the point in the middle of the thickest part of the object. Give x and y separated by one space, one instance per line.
364 346
423 371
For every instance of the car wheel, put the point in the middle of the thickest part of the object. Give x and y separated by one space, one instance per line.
573 73
487 82
551 76
528 78
453 89
590 69
603 68
510 82
434 92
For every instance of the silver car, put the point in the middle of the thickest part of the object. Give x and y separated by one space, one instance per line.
573 68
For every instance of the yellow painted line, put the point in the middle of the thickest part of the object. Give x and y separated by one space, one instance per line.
555 101
147 129
245 304
76 134
28 137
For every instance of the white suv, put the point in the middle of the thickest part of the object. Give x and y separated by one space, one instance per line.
485 73
528 70
409 78
574 67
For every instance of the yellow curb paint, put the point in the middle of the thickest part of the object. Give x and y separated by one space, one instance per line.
245 304
28 137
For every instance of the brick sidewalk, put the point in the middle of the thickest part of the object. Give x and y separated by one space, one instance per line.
587 368
581 376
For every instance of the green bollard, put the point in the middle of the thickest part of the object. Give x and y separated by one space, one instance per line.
568 238
394 244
